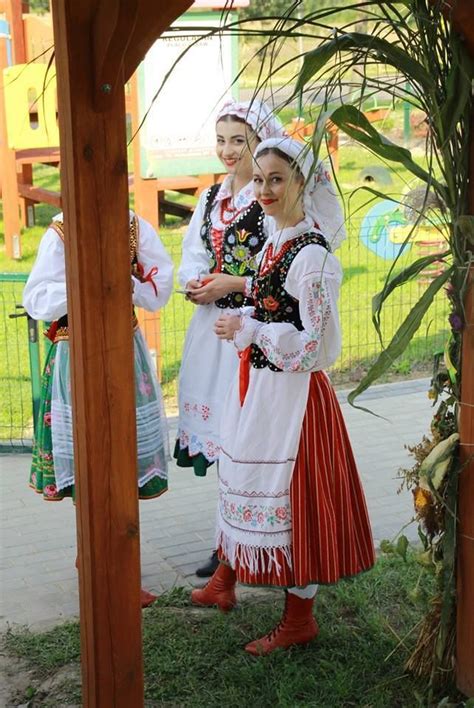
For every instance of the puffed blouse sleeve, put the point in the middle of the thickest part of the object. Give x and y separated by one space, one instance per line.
44 296
314 280
194 260
157 267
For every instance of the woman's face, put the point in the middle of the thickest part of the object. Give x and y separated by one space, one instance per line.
278 188
235 144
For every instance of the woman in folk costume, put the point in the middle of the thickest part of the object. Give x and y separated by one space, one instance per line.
291 509
44 298
219 249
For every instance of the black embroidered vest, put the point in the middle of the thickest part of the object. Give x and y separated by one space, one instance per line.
242 240
272 302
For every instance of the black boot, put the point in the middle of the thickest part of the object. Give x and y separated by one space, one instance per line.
209 568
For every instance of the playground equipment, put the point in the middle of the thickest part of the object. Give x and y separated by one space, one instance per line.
172 151
386 231
26 116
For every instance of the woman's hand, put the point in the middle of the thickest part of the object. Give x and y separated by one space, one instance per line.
213 287
226 326
192 287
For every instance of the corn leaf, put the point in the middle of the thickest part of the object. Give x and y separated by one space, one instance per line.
402 336
385 52
354 123
458 91
404 276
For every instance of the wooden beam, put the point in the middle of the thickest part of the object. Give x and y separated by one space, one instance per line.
175 208
39 195
48 156
95 198
465 579
24 175
14 13
461 14
153 18
8 177
113 28
145 190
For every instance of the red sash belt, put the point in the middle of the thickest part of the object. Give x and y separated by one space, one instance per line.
51 331
244 373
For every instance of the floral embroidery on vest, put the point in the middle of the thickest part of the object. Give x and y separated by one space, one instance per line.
272 302
234 250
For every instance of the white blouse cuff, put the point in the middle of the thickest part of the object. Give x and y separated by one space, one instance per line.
244 336
184 276
248 286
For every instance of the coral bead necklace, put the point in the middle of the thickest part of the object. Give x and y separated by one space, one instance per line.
269 260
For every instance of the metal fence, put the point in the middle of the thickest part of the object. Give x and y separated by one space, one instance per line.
366 258
21 352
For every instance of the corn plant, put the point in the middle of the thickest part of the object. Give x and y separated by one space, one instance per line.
426 64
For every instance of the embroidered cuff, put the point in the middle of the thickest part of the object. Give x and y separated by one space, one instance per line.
244 336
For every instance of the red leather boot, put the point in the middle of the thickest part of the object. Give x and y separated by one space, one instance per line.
147 598
220 590
297 626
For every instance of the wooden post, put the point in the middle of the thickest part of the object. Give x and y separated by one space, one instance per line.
14 12
146 190
8 178
146 205
98 44
95 197
465 579
333 145
26 206
24 172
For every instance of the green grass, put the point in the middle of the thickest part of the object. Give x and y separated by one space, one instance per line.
364 275
195 657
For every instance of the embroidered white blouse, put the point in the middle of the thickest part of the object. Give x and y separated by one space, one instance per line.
314 279
195 261
44 296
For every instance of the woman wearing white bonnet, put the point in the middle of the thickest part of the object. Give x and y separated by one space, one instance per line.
320 200
219 253
291 510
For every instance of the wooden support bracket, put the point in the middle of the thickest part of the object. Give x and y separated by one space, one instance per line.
154 17
113 27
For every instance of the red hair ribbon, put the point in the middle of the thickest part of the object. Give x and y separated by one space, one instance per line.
244 373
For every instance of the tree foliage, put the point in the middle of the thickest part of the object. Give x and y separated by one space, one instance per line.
39 6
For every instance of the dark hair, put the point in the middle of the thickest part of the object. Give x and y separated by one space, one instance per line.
230 118
283 156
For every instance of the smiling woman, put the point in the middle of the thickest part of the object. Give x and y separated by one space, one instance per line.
291 509
278 186
235 143
219 253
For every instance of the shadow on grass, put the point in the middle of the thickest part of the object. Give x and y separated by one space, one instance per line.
195 657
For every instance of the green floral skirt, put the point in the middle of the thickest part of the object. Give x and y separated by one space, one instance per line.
42 476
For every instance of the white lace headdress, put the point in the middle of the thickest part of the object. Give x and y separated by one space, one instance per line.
320 200
256 114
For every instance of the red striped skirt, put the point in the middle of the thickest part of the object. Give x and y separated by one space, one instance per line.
331 536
